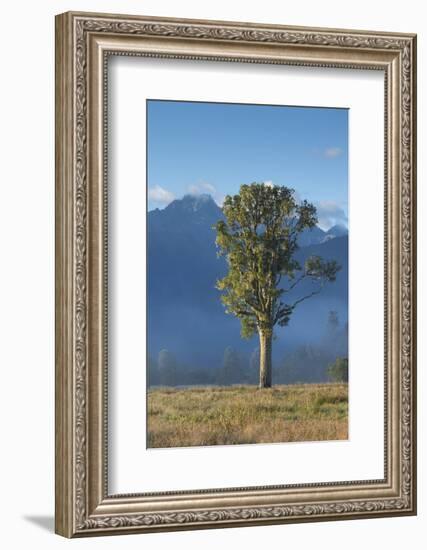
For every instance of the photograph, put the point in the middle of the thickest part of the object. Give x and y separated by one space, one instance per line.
235 272
247 273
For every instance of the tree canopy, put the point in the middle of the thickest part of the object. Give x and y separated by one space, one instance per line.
338 370
259 238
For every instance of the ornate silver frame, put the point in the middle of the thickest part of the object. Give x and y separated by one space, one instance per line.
83 42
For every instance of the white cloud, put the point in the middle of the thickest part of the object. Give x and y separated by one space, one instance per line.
219 199
160 195
205 187
200 188
297 197
330 213
269 183
333 152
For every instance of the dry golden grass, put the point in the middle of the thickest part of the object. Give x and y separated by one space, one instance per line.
246 414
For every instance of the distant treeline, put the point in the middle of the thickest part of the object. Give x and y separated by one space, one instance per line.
311 363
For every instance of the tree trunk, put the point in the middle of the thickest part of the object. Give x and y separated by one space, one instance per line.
265 340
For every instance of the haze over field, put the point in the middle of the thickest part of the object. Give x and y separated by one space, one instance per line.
186 317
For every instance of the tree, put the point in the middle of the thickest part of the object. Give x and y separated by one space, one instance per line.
259 238
167 368
254 366
338 370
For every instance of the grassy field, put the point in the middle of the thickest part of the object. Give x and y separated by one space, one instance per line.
244 414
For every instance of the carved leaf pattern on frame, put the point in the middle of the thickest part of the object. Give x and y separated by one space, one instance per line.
211 31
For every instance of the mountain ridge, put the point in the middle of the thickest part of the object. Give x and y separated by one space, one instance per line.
185 314
202 208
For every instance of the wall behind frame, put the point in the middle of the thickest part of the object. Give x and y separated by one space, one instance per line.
27 273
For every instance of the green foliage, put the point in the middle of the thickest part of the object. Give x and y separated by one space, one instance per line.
338 370
259 239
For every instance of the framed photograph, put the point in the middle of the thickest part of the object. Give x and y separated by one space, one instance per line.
235 274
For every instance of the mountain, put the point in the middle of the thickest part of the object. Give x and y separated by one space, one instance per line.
185 314
182 261
181 214
311 236
316 235
335 231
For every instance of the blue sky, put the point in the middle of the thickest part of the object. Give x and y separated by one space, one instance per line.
214 148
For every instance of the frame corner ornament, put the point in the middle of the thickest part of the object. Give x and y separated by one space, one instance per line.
83 510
